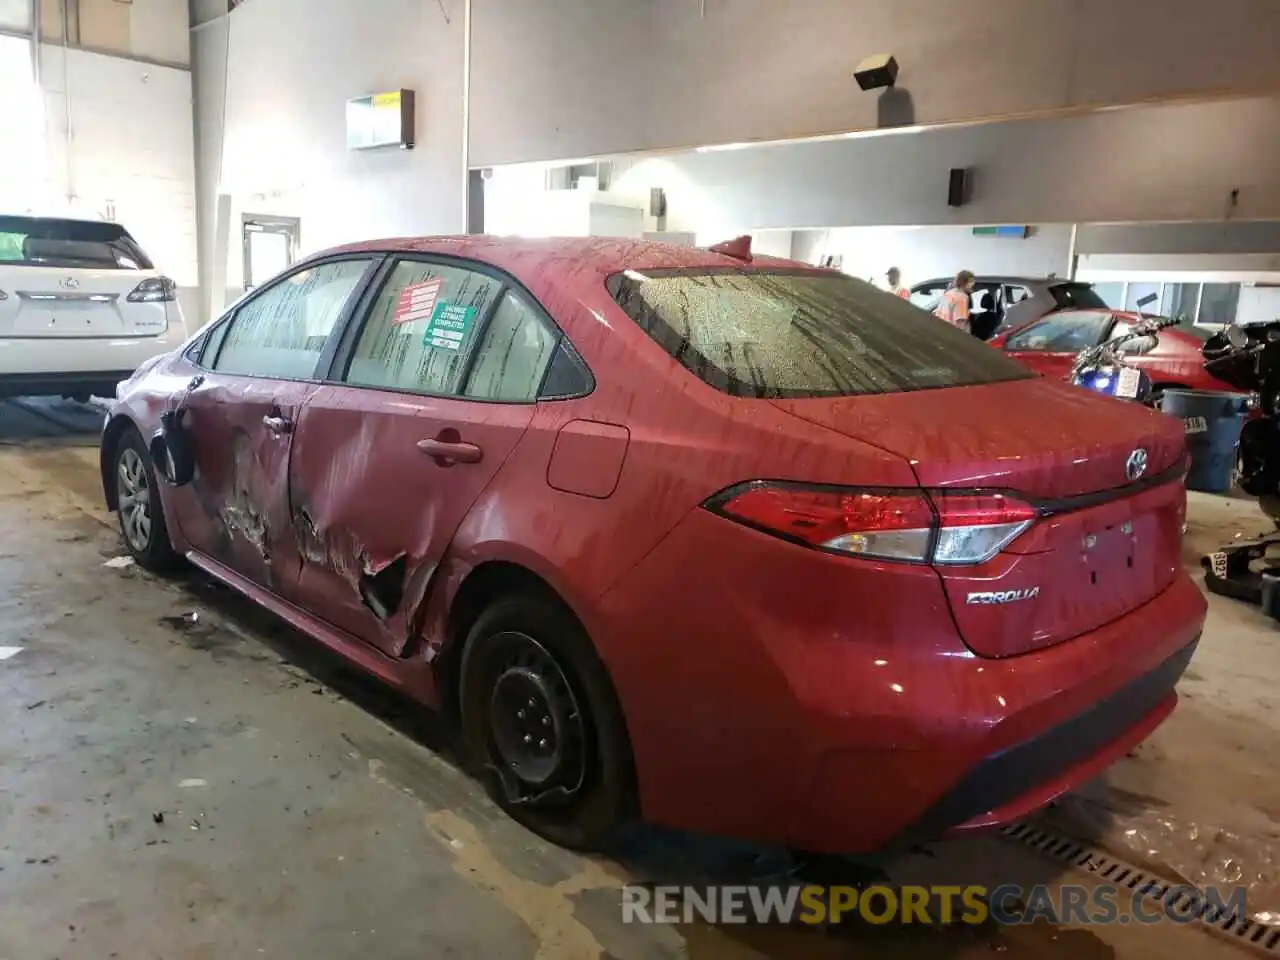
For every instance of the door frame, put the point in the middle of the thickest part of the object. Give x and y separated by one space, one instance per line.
251 223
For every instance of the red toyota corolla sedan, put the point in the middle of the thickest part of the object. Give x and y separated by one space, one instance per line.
734 545
1050 345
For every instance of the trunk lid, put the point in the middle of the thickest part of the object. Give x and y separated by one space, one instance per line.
43 302
1108 541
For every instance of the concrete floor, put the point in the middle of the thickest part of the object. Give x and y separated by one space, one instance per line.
223 790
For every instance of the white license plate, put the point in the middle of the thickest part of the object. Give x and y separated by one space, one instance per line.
1196 425
1128 381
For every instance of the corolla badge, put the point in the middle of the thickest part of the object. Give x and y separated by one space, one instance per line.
1136 465
69 283
1003 596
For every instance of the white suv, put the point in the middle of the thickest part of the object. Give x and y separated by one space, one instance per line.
81 307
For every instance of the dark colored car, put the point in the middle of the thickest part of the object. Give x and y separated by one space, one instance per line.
1002 303
734 545
1172 360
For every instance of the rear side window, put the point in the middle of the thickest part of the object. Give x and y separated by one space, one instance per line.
793 334
513 357
67 244
1073 296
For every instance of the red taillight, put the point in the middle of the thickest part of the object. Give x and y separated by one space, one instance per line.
940 526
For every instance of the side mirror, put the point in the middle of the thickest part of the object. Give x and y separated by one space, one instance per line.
1236 337
172 451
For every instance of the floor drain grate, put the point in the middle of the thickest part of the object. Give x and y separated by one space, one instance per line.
1073 853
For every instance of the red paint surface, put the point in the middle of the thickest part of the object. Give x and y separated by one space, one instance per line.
587 458
1174 362
770 690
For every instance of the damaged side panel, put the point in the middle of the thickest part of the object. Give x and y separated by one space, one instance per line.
374 513
239 511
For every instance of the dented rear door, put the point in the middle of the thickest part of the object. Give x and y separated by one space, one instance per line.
388 461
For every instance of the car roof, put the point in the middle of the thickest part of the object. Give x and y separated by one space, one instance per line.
527 257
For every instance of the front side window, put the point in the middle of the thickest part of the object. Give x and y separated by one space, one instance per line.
795 334
1068 332
926 298
422 328
282 332
68 244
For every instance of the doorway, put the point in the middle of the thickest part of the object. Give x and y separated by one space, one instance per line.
270 246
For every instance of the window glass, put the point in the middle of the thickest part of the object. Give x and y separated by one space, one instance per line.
926 298
1112 293
1139 345
1180 300
790 334
1071 296
282 332
208 351
514 354
1219 303
1068 332
66 244
422 328
1015 294
1137 291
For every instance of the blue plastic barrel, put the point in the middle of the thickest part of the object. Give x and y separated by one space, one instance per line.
1212 421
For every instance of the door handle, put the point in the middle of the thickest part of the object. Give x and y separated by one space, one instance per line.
278 425
446 451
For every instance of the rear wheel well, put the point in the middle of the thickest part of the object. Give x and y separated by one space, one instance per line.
117 428
485 584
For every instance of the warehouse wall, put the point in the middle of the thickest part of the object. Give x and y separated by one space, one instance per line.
555 79
147 29
929 252
1087 169
281 72
130 156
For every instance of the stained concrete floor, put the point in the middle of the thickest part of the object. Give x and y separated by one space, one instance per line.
222 789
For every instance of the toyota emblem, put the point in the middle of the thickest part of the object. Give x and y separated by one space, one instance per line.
69 283
1136 465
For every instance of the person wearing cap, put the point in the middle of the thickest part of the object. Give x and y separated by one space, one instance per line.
894 276
954 307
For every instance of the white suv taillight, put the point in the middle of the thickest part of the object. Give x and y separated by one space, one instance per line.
916 526
3 296
154 290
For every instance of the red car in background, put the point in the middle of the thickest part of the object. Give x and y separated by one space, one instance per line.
728 543
1050 345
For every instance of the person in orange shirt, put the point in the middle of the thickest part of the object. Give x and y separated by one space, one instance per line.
954 307
894 276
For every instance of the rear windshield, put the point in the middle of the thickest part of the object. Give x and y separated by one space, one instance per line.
1073 296
41 242
792 334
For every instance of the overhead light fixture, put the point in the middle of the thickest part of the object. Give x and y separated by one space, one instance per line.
877 72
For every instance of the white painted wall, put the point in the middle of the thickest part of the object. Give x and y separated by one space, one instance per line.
574 78
925 253
1259 304
288 68
1081 169
130 155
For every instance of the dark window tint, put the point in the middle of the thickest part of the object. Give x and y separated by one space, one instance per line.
67 244
1062 332
796 334
1072 296
567 376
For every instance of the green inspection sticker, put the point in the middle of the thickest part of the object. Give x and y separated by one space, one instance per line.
448 326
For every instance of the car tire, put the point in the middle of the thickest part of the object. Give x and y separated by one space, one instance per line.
529 669
138 507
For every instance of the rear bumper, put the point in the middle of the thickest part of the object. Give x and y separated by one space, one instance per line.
786 696
77 365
